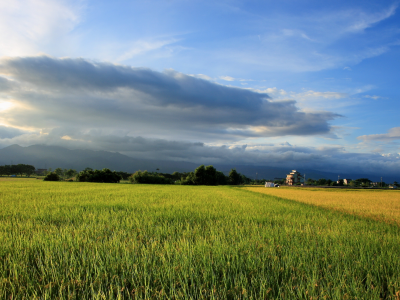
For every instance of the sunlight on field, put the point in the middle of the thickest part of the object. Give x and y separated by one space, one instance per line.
71 240
377 204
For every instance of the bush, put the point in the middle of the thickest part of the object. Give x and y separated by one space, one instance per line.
52 177
103 176
146 177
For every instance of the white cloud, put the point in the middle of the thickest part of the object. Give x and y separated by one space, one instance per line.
143 46
295 33
31 26
327 95
393 134
202 76
227 78
375 97
363 20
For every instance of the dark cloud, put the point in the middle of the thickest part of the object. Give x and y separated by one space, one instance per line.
65 92
9 132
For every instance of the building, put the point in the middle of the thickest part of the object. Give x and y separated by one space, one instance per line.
346 181
269 184
293 178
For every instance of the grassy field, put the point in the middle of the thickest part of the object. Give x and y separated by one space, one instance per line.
381 205
72 240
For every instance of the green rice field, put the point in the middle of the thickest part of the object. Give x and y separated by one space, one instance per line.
68 240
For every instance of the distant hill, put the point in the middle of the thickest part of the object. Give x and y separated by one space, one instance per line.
42 156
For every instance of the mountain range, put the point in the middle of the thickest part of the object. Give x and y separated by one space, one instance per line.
44 157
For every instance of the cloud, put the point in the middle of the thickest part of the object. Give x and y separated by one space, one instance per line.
229 78
317 36
328 158
143 46
375 97
30 26
393 134
202 76
363 21
54 92
5 85
9 132
327 95
295 33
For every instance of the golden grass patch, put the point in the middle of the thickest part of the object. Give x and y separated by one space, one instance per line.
381 205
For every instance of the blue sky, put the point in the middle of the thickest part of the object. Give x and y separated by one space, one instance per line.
294 83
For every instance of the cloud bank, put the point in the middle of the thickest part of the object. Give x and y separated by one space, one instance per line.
50 92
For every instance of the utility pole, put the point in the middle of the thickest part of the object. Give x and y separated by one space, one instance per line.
381 181
304 179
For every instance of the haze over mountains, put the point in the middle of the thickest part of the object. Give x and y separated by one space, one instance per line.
42 156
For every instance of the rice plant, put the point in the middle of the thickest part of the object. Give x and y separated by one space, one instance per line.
67 240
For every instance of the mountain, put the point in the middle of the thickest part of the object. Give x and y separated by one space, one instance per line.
44 157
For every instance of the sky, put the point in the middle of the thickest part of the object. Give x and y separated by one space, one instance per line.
296 84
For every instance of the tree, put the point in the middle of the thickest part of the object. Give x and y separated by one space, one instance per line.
59 172
29 170
189 180
210 176
146 177
14 169
311 181
104 176
7 170
234 177
200 175
70 173
244 179
52 177
221 178
124 175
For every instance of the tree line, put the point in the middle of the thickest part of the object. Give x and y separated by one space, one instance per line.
19 169
202 175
